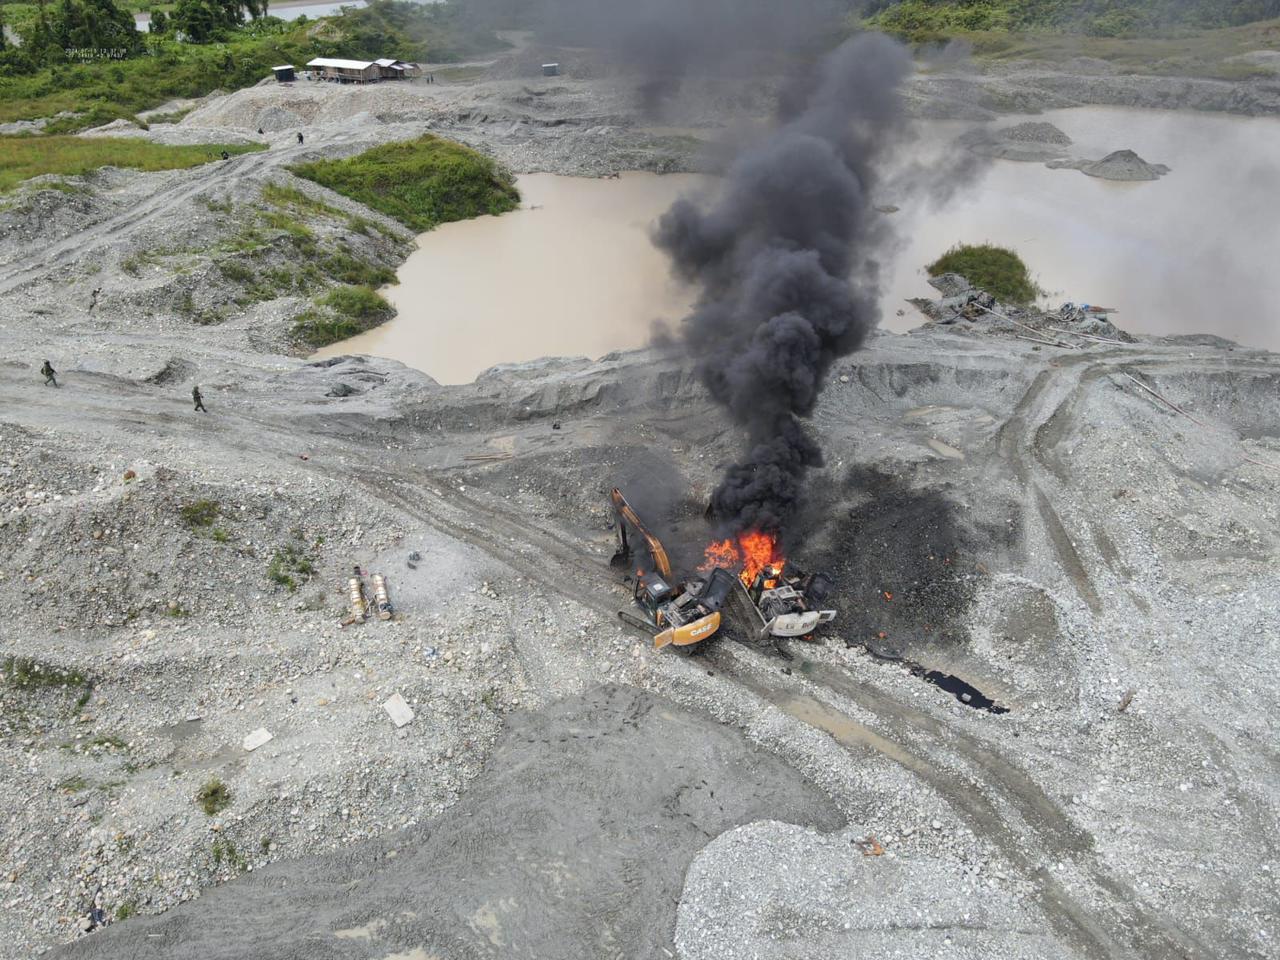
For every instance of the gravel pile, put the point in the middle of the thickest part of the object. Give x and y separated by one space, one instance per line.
1123 165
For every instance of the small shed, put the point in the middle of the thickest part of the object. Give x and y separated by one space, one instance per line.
345 71
551 69
389 69
284 72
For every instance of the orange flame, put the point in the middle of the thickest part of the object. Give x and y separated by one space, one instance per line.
750 553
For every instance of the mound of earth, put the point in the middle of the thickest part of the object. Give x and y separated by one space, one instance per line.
824 891
573 843
1032 142
1122 165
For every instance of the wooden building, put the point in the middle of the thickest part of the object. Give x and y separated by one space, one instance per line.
344 71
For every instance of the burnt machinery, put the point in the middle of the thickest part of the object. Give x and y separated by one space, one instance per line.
789 605
684 614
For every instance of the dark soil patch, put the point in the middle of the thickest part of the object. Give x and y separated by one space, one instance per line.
907 563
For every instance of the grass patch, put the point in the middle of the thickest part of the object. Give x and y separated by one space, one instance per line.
285 197
27 674
235 271
220 535
172 117
291 225
290 567
421 183
126 910
357 303
345 268
346 312
74 784
201 513
315 329
213 797
226 850
24 157
997 270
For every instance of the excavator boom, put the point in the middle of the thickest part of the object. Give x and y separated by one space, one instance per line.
626 515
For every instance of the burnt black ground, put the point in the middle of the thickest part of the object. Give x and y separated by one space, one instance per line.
572 844
906 561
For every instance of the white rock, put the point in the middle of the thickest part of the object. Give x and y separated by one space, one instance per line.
399 711
256 739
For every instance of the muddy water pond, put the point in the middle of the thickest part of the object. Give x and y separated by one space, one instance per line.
573 273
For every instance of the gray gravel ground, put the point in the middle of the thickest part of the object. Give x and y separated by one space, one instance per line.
1023 518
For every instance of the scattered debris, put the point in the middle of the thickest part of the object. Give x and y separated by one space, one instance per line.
256 739
960 301
357 600
398 710
1126 700
381 598
869 847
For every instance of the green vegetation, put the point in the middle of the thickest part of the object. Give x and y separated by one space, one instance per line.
421 183
126 910
226 850
213 797
75 784
172 117
286 197
201 513
357 303
40 79
24 157
342 266
919 19
348 311
997 270
290 567
26 673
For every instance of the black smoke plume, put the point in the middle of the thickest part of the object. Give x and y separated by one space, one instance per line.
786 258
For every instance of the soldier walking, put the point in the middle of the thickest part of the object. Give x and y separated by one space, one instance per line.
198 399
48 371
299 136
93 298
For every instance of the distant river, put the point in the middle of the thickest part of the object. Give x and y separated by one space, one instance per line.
1195 252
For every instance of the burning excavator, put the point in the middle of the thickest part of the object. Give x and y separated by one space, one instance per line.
767 600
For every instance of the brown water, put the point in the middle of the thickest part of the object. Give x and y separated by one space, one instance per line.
573 273
1194 252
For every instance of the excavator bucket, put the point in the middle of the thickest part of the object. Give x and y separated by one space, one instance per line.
691 633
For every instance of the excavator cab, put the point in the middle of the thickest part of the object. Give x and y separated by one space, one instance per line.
651 592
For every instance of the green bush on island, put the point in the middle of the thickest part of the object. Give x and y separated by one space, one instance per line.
997 270
422 183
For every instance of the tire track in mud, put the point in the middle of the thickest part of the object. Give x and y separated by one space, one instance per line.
1126 932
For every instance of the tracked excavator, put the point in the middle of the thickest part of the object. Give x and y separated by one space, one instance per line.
685 614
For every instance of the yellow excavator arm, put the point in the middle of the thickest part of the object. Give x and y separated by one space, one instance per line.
626 515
